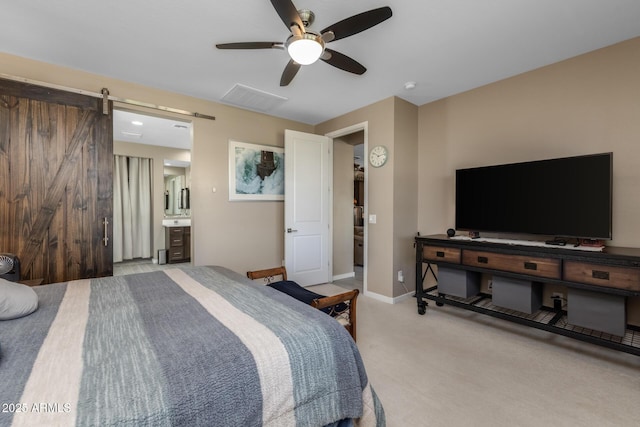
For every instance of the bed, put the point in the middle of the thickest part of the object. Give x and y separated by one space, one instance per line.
190 346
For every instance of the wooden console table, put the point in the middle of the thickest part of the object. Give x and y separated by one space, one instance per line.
602 279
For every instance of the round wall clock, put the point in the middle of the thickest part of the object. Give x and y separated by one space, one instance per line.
378 156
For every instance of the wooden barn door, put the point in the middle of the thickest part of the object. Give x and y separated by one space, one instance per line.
56 182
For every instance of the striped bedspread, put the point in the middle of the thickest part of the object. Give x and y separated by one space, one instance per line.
193 346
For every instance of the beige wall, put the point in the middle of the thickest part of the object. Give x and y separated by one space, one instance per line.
405 189
392 123
238 235
379 236
588 104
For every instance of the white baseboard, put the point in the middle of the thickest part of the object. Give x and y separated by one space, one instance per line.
389 300
343 276
403 297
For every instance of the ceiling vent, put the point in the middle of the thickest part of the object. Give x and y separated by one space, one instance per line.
252 99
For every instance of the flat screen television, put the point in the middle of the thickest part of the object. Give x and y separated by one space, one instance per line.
566 197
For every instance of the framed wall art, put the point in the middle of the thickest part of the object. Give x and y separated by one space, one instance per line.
256 172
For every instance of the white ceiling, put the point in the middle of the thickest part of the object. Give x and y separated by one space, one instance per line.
151 130
445 46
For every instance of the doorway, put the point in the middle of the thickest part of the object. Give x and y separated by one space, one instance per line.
164 140
349 249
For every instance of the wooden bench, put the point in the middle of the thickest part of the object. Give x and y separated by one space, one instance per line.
342 306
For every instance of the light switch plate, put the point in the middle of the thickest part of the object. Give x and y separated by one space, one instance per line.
372 219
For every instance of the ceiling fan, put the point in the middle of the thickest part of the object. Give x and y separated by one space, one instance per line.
306 47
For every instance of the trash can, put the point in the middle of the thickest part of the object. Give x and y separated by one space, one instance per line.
162 256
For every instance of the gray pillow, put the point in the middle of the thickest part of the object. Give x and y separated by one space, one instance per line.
16 300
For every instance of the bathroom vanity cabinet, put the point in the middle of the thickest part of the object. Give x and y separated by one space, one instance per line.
178 244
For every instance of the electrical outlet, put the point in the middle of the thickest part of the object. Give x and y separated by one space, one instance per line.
400 276
558 300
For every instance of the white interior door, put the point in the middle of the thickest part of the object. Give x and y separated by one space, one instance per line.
306 207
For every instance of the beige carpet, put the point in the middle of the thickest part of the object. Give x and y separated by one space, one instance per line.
452 367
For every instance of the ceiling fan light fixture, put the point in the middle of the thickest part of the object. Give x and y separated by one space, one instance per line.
305 48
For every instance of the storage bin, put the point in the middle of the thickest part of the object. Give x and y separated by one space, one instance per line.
594 310
517 294
458 283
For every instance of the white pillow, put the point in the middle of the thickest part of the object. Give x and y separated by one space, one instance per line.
16 300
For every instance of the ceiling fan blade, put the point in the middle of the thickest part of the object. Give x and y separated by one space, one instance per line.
288 13
358 23
343 62
250 45
328 36
289 72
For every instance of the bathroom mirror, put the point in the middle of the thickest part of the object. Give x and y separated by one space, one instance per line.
177 183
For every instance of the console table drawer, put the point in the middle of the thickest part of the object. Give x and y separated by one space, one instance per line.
532 266
604 275
435 253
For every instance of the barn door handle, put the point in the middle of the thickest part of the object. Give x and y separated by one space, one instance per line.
105 239
291 230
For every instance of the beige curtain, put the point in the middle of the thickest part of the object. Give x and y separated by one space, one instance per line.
131 208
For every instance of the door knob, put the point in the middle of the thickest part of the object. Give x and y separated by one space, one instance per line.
291 230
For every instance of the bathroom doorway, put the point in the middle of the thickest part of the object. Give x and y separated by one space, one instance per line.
160 139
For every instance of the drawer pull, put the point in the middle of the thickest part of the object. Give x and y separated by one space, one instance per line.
596 274
440 254
530 266
483 260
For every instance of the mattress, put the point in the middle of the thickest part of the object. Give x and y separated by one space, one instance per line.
190 346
